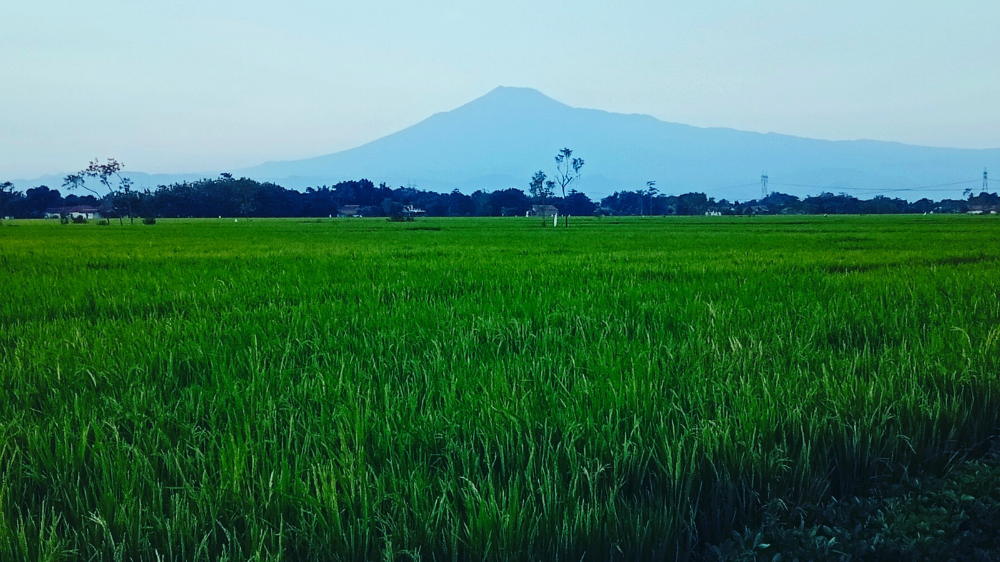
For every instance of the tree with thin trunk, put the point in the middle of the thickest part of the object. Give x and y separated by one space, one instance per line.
72 182
567 169
122 197
540 189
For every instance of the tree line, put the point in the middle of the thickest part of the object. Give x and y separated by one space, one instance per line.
228 196
640 202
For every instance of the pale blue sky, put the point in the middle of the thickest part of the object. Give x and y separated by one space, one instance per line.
186 86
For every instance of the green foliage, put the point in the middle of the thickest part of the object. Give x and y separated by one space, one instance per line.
953 517
540 189
478 389
394 210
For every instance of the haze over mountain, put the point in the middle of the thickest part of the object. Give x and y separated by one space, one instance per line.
499 140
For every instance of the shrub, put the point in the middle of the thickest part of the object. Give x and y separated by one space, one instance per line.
149 220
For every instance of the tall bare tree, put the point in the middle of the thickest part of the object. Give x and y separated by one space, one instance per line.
121 195
72 182
567 169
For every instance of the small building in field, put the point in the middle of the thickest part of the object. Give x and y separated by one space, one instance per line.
543 211
349 211
982 209
78 212
410 211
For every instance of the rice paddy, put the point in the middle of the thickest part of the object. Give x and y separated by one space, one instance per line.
467 389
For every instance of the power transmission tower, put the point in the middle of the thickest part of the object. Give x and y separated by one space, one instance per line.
986 181
763 186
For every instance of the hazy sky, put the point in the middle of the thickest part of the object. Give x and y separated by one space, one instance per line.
187 86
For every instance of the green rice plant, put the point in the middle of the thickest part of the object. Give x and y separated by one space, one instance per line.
477 388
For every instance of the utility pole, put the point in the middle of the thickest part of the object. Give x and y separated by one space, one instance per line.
763 187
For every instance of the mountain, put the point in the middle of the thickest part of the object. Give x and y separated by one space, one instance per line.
500 139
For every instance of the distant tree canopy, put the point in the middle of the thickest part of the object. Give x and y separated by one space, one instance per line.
242 197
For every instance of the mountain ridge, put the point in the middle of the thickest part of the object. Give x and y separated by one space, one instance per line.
499 139
525 128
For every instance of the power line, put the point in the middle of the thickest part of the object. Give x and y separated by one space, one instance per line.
742 185
931 187
846 188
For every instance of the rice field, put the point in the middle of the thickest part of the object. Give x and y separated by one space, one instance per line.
469 389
